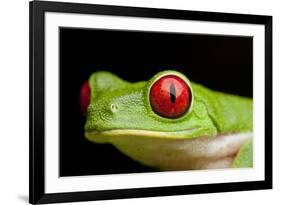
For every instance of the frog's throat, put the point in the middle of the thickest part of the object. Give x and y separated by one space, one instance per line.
153 149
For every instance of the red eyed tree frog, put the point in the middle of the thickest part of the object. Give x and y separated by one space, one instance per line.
169 122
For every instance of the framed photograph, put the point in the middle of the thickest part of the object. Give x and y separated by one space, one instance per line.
140 102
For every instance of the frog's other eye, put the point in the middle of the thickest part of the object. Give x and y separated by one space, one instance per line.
170 96
85 92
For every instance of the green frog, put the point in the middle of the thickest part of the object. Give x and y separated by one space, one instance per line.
169 122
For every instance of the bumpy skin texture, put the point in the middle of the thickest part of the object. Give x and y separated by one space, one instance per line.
120 113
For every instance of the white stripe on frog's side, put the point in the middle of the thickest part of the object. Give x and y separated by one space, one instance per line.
175 154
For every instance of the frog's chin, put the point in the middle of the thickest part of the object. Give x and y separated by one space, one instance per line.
156 149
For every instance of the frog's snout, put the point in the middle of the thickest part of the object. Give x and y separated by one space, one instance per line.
100 114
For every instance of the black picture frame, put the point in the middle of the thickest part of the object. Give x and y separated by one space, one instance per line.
37 9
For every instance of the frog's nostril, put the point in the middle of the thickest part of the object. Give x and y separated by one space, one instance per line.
113 107
85 97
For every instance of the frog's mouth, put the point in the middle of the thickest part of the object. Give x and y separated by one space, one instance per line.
107 135
173 151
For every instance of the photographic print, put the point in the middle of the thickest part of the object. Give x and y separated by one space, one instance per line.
140 102
152 101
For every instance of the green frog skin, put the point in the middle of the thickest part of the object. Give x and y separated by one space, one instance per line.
168 122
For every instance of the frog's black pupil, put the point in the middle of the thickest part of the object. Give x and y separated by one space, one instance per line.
172 93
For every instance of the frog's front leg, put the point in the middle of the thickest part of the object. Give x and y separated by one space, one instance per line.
244 157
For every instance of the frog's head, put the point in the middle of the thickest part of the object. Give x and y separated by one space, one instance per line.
166 106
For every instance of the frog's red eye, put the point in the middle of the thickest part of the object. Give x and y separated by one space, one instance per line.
170 96
85 92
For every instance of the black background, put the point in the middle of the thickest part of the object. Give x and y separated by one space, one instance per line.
222 63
